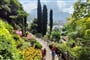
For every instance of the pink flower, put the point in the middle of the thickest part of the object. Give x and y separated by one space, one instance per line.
18 32
29 36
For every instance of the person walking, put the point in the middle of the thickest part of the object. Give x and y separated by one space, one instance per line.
53 52
59 54
44 54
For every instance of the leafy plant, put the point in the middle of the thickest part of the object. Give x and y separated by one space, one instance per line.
38 45
31 54
8 48
55 36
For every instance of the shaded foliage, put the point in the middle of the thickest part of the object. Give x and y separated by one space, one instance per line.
33 28
12 12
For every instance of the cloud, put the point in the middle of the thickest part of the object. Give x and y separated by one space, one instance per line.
64 7
61 4
69 10
83 0
29 7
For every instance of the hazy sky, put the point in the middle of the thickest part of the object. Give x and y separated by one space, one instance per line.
63 5
62 8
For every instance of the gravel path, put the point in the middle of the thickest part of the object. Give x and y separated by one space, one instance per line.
44 44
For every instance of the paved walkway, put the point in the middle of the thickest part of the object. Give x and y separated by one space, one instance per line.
48 54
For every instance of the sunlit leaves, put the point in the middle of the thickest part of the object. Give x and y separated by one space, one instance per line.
78 28
16 3
8 49
31 54
87 33
81 10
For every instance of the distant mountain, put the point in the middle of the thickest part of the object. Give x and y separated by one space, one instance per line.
58 15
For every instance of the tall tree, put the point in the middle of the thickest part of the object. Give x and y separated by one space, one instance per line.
44 22
39 17
51 20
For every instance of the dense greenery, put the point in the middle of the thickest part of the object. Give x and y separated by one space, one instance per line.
8 46
78 29
12 45
33 28
55 35
12 12
32 41
81 9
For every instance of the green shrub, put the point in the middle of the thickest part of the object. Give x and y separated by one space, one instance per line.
6 26
18 41
35 43
8 49
85 54
55 35
63 47
38 45
87 34
39 35
78 52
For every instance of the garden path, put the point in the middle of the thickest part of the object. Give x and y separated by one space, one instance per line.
45 45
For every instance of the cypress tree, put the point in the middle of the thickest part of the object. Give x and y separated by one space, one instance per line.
51 20
39 17
44 25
